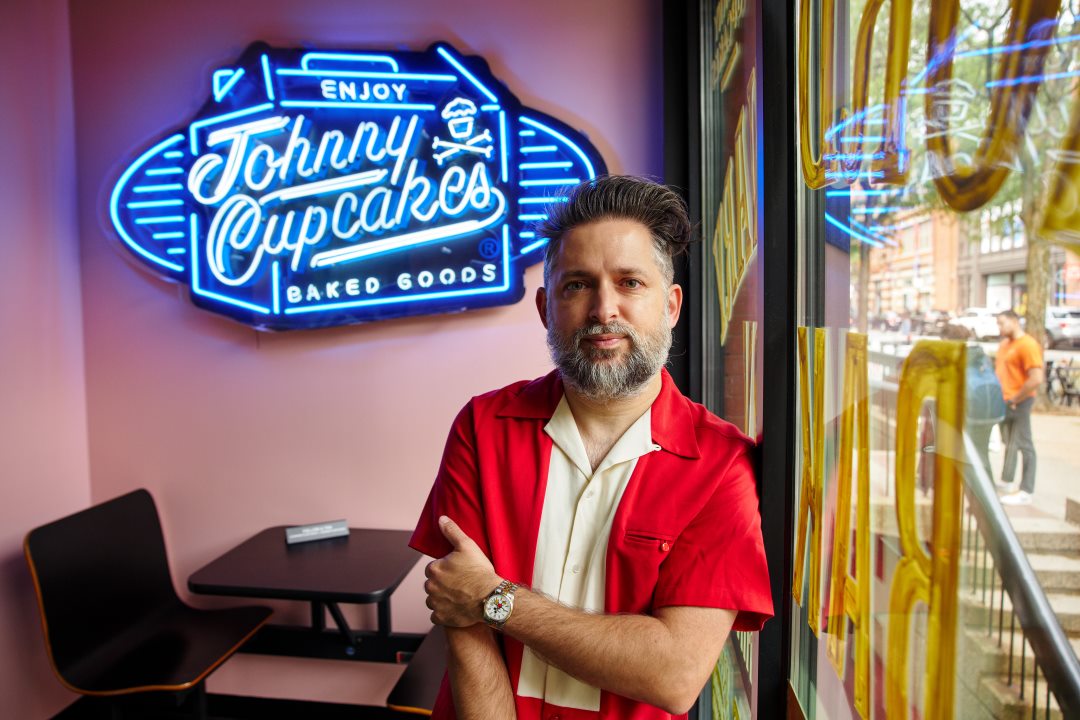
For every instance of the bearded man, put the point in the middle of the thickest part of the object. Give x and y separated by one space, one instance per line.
598 533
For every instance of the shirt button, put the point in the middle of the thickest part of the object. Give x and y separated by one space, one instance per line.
664 547
589 494
576 569
554 717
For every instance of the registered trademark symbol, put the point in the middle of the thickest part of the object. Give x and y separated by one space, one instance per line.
488 248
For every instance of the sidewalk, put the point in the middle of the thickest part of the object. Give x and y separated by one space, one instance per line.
1057 467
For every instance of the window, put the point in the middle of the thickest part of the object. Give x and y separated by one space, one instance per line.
903 213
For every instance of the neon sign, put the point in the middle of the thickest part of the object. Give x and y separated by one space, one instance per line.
950 104
327 188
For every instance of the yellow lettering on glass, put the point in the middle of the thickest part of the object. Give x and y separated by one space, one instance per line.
853 142
1031 24
962 185
1061 218
750 378
725 253
813 167
727 16
933 371
849 596
722 681
735 237
747 169
813 474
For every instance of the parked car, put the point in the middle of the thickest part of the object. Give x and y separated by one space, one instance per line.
982 322
1062 326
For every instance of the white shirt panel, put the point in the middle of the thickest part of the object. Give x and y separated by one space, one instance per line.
571 547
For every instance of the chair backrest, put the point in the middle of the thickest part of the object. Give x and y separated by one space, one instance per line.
97 573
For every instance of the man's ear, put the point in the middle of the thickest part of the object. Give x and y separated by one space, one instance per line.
541 305
674 304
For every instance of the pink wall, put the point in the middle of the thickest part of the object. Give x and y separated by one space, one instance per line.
43 407
234 430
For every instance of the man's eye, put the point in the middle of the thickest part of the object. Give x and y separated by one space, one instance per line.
632 283
574 286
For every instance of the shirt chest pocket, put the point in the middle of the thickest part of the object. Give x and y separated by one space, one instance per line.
635 570
659 542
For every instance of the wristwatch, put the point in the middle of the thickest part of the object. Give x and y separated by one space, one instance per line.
499 604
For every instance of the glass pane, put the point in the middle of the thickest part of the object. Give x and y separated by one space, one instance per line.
732 279
940 183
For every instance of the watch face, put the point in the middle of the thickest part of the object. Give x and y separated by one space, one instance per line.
497 608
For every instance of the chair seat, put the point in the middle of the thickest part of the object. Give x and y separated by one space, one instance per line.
170 650
113 622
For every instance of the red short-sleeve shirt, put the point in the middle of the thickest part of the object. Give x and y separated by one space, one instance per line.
686 532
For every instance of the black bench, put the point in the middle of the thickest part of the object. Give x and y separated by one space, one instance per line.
112 620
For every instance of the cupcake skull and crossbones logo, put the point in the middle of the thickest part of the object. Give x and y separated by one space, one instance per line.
460 117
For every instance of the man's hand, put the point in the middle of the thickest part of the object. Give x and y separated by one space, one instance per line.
458 583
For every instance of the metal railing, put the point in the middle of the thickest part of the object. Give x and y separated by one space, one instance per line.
1011 574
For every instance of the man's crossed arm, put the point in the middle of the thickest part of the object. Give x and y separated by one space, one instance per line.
663 660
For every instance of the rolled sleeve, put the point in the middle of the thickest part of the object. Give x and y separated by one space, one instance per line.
719 559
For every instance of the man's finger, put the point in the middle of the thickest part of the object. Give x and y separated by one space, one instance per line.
457 537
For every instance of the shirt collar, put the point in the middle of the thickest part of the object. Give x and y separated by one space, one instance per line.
673 426
672 423
563 431
537 399
632 444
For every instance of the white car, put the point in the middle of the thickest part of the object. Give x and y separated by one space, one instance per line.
982 322
1062 326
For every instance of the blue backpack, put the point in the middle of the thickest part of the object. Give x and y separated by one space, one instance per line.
985 402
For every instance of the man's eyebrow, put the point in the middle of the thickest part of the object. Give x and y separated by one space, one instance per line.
575 274
628 270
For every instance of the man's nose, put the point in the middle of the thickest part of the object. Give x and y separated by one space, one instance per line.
605 304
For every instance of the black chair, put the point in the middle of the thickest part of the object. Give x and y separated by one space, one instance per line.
112 620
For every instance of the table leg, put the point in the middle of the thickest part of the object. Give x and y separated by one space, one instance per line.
318 616
384 616
342 624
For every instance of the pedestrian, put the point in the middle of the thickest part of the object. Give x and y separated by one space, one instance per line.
1019 368
597 532
985 404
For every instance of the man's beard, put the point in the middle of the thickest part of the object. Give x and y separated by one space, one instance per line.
591 372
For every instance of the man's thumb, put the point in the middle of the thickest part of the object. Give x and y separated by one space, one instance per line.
452 532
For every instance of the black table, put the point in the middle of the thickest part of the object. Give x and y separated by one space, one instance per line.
364 567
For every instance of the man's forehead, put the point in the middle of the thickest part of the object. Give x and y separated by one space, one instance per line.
570 270
616 245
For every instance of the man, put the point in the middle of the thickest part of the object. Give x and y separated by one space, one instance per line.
598 532
1019 368
984 406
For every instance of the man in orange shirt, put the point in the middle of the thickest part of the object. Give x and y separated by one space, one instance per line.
1019 367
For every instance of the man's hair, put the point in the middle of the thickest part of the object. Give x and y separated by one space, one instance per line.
953 331
622 197
1011 314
